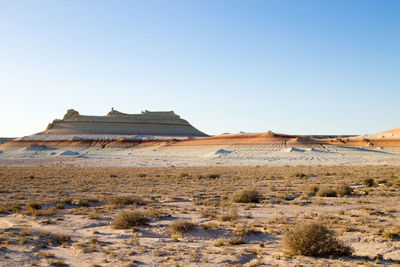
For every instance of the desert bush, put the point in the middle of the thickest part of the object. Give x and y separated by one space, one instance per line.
59 239
344 190
229 215
157 213
6 207
34 205
129 219
246 196
67 201
313 189
83 202
43 254
326 192
209 213
392 234
313 239
183 175
94 215
219 242
369 182
181 226
213 176
235 241
120 201
56 263
300 175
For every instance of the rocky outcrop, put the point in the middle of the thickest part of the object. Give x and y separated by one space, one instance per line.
118 123
116 129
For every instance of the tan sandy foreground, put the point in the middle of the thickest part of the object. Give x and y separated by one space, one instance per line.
194 216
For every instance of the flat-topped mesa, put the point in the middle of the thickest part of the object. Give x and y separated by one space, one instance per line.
146 123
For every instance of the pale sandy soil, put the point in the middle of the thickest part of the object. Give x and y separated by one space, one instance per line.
229 155
202 195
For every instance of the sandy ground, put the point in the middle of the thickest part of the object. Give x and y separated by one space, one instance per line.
80 233
361 219
230 155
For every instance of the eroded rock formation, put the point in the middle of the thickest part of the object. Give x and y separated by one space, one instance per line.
115 122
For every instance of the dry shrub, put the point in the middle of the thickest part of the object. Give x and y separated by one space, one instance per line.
157 213
369 182
181 226
326 192
183 175
213 175
314 239
59 239
235 241
229 215
392 234
344 190
56 263
34 205
313 189
247 196
120 201
6 207
209 213
94 215
129 219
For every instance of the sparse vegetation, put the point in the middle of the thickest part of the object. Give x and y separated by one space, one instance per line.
326 192
246 196
313 239
181 226
120 201
344 190
162 194
369 182
129 219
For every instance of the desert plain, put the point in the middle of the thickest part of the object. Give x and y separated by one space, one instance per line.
195 216
89 198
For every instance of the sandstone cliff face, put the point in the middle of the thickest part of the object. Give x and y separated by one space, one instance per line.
115 122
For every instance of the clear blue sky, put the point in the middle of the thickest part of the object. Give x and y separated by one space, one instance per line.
299 67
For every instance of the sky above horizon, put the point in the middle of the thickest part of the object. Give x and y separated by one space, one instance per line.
296 67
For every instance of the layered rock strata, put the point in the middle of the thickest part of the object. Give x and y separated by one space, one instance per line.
116 129
118 123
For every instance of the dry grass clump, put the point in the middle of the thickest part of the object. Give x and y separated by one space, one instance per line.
344 190
181 226
370 182
34 205
120 201
94 215
60 239
326 192
213 176
229 215
314 239
7 207
313 189
392 234
129 219
247 196
56 263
